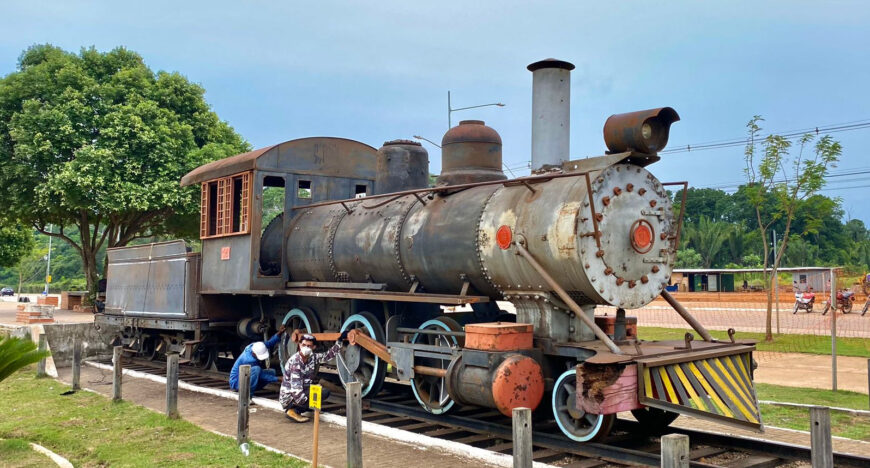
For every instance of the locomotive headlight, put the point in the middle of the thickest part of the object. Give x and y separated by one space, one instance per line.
646 131
643 131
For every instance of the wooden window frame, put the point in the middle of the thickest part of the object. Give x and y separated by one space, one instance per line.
224 214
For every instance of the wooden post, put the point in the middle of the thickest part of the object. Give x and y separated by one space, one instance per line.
316 436
244 403
353 414
822 453
77 365
172 385
40 366
522 422
675 451
117 367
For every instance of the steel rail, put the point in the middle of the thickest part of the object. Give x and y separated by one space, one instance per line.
786 452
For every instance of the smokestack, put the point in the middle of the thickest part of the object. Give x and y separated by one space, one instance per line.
551 112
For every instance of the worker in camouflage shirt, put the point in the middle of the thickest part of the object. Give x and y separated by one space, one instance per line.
300 372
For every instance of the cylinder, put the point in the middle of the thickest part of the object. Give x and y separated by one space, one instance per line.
551 112
470 152
516 382
402 165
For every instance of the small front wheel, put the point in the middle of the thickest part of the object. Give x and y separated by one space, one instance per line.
576 424
866 306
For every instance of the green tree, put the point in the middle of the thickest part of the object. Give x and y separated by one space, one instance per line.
774 174
688 258
707 237
16 353
95 143
16 241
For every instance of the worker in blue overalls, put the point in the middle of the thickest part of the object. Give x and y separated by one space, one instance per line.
253 355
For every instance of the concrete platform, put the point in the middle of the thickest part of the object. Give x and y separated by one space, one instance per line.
268 427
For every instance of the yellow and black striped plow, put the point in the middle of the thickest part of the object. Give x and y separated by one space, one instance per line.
711 384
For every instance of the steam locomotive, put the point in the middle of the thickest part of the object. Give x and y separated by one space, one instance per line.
364 244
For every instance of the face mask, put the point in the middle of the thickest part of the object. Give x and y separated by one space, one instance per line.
306 351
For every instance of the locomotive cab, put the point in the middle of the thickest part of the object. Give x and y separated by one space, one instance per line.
241 196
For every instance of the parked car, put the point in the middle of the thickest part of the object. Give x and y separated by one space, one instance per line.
7 292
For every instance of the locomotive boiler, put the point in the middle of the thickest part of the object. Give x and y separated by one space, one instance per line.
363 244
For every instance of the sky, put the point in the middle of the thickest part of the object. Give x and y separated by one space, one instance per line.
378 71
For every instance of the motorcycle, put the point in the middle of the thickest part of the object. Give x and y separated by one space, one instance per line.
804 300
866 306
845 299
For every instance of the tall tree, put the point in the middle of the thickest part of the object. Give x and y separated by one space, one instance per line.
16 241
706 237
96 142
787 181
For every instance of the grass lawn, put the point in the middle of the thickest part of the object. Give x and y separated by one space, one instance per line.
842 424
783 343
90 431
24 456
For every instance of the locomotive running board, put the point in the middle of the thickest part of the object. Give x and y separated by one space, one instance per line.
715 385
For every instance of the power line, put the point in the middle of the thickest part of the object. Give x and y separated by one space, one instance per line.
790 135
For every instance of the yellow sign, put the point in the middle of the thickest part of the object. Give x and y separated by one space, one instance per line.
48 279
314 397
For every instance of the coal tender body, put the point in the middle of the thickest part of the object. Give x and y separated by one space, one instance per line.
365 245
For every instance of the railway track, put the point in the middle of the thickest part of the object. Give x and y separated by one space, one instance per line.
488 429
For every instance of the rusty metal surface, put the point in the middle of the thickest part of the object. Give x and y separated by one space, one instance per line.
327 156
518 382
446 299
626 132
153 280
558 225
660 349
438 244
470 152
498 336
402 165
366 244
357 337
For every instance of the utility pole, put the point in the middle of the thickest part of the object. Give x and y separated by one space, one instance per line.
48 264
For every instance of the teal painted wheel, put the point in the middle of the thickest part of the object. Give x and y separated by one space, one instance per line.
429 390
296 319
575 423
357 364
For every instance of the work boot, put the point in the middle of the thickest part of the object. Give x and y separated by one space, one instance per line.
292 415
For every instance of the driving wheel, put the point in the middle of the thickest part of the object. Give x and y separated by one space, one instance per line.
429 390
357 364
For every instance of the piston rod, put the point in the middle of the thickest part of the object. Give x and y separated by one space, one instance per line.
567 299
687 316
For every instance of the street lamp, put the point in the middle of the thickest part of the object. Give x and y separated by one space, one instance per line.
418 137
451 110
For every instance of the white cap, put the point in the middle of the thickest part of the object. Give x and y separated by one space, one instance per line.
259 349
